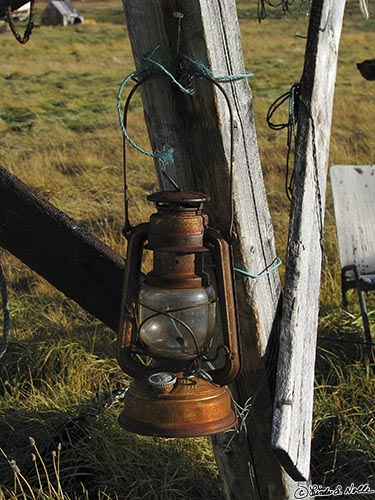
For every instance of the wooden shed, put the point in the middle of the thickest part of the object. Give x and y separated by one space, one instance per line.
60 12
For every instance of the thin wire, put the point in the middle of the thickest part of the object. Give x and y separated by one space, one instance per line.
174 318
262 12
242 414
128 226
180 309
246 412
293 98
319 212
231 232
6 313
123 122
163 69
166 155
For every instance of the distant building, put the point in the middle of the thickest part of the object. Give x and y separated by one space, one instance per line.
23 13
60 12
20 9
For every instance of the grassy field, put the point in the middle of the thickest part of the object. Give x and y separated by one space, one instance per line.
59 133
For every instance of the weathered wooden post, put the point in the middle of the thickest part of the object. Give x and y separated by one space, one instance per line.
198 129
291 435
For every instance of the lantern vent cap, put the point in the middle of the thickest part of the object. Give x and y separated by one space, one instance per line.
178 198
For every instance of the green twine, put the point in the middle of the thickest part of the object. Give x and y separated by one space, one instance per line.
6 314
276 263
148 58
165 156
204 70
272 267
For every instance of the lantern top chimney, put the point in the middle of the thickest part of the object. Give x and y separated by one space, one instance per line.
178 200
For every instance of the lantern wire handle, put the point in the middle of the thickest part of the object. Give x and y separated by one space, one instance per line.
128 226
138 83
204 76
172 181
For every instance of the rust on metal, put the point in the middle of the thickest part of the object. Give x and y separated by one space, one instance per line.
179 237
227 304
194 407
178 225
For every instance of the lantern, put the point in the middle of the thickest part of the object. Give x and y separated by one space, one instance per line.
169 321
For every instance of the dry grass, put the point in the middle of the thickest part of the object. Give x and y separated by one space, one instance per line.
59 133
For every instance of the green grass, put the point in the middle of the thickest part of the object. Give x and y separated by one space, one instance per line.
59 132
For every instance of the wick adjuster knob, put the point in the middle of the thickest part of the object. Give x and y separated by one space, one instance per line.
162 382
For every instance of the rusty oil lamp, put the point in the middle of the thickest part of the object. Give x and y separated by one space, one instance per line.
169 320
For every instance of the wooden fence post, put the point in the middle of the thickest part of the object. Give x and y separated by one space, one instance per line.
57 248
291 435
197 127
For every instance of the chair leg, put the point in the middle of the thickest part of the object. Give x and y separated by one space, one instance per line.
366 324
345 285
344 298
344 288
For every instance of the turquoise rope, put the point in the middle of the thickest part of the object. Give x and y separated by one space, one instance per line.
206 71
148 58
268 270
165 157
6 314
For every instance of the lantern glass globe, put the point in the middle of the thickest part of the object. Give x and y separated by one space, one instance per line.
176 323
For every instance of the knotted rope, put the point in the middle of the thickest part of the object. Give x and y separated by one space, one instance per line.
150 67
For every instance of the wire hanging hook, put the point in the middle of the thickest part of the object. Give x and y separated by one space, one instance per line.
179 16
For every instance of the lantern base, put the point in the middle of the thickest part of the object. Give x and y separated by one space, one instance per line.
194 407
